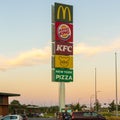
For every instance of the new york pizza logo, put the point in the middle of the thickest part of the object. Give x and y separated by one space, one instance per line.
64 32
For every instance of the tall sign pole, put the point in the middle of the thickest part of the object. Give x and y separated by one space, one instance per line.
62 47
61 96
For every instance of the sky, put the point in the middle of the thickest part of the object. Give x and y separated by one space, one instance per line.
25 51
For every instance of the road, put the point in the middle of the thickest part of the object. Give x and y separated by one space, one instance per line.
42 118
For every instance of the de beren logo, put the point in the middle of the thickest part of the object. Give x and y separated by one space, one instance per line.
64 61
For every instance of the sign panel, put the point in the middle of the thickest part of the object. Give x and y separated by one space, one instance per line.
62 61
62 75
63 13
63 48
63 32
62 43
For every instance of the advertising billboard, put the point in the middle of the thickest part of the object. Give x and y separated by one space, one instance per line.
62 61
63 13
63 48
62 75
63 32
62 43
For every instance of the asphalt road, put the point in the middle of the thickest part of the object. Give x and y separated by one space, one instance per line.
42 119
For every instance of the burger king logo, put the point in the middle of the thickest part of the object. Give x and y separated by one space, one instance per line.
64 32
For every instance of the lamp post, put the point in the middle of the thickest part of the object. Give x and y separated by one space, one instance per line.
95 91
116 84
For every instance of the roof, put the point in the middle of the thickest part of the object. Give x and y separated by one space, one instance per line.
9 94
32 106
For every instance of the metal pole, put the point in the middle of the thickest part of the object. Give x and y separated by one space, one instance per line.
91 102
95 92
116 84
61 96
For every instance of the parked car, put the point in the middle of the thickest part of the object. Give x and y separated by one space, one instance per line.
64 116
24 117
12 117
87 116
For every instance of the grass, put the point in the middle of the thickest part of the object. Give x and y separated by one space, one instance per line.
112 118
110 115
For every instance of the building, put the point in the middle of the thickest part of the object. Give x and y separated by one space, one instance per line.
4 102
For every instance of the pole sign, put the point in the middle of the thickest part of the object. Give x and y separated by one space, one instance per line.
63 48
63 61
62 75
63 32
63 13
62 43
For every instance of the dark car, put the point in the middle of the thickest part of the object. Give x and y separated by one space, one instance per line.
25 117
87 116
64 116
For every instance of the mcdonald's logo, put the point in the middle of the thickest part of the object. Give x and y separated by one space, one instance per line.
63 10
63 13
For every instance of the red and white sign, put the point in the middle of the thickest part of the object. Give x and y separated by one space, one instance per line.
63 32
63 48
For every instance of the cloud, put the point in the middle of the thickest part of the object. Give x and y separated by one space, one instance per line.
85 49
40 56
27 58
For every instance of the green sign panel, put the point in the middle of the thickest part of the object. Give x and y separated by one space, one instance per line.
62 75
63 13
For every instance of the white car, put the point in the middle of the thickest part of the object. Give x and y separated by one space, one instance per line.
12 117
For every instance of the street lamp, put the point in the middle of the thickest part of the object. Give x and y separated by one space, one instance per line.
95 91
116 84
96 100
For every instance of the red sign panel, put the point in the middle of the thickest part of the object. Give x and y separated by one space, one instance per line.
63 48
63 32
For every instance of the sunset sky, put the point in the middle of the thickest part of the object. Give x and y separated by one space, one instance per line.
25 50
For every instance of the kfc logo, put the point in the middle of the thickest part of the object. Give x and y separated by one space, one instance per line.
63 48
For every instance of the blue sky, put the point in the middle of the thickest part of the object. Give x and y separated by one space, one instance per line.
25 49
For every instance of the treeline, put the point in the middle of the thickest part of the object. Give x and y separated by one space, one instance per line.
16 107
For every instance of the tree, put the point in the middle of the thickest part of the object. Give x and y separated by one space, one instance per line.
14 106
112 106
78 106
97 105
15 102
83 107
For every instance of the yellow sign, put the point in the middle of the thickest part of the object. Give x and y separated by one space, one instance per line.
62 61
64 13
